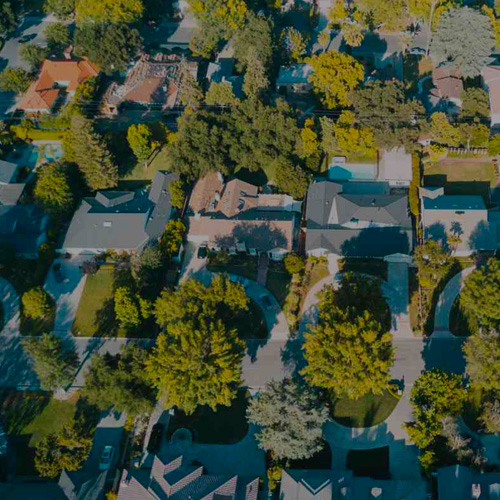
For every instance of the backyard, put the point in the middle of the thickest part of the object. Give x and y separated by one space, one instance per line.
27 417
227 425
95 315
462 176
367 411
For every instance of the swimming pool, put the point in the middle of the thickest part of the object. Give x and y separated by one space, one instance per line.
53 152
346 171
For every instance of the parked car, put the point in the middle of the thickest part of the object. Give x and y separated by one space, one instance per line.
202 252
155 438
106 458
265 301
58 274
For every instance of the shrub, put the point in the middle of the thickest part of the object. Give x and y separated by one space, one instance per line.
36 303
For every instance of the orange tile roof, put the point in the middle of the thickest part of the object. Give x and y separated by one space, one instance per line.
42 94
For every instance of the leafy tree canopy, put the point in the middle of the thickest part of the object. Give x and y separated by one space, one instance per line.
177 193
57 35
482 352
16 80
60 8
290 420
475 103
8 18
334 76
124 11
120 382
464 38
54 364
33 54
126 308
171 239
220 94
140 140
36 303
53 190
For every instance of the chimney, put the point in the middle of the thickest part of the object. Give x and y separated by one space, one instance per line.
68 51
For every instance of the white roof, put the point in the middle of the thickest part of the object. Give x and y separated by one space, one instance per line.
395 165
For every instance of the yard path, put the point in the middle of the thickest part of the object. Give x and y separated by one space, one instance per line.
10 304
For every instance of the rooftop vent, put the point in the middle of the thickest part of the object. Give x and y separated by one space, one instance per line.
107 223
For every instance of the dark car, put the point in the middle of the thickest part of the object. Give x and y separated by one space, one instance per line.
202 252
266 302
155 438
58 274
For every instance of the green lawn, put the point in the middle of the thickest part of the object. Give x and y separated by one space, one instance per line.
95 314
137 172
278 282
318 272
369 463
364 412
27 417
227 425
375 267
472 409
241 265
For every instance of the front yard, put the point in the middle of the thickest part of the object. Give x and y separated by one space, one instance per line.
95 315
227 425
367 411
27 417
374 267
241 265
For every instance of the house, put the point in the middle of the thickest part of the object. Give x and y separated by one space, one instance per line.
23 226
234 216
297 484
120 220
294 79
491 83
381 54
343 221
222 70
57 81
458 482
151 82
446 95
462 216
179 479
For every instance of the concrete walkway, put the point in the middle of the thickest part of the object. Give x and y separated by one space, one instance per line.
10 304
446 300
396 291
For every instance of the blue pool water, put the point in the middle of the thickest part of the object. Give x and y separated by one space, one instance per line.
53 152
360 171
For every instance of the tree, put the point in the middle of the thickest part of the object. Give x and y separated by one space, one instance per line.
177 193
124 11
64 451
475 103
494 146
60 8
257 37
172 238
384 108
140 140
191 94
353 34
85 96
256 80
36 303
290 420
83 145
126 310
490 416
33 54
197 360
120 382
389 15
348 352
57 35
53 191
463 38
221 94
293 44
110 46
481 294
290 179
473 134
443 131
433 263
434 396
293 263
145 266
308 144
334 76
482 353
8 18
54 365
16 80
458 444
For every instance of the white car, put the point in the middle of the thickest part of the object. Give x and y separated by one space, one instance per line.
106 458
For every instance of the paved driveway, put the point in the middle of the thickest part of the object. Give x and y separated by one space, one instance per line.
9 300
66 294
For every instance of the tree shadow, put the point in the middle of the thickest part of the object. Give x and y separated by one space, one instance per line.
482 237
20 408
86 417
369 417
105 320
377 242
444 354
292 355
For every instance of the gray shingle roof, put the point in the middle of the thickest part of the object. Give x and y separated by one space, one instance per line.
121 220
8 171
10 193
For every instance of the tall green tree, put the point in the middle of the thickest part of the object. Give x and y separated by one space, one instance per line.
84 146
475 103
334 76
16 80
54 364
191 94
290 179
464 38
120 382
33 54
290 419
60 8
124 11
348 352
257 37
172 237
140 140
482 353
256 80
57 35
177 193
53 190
197 360
443 131
36 303
126 308
221 94
8 18
111 46
481 293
